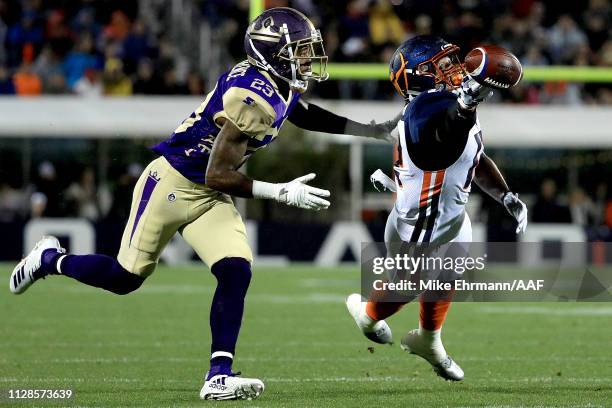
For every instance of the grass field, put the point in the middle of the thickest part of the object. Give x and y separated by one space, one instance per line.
151 348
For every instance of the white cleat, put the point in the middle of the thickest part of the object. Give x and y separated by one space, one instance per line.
377 331
226 387
23 274
435 355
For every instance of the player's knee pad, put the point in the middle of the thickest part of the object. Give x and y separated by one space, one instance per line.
125 282
233 272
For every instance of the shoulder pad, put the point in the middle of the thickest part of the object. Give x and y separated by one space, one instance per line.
422 109
256 82
248 110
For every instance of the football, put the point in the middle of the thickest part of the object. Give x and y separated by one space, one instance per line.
493 66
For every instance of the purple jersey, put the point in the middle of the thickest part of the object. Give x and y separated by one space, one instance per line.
247 97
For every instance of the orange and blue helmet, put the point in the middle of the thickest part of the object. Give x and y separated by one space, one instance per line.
425 62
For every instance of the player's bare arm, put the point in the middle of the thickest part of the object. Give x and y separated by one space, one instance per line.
222 175
225 158
490 180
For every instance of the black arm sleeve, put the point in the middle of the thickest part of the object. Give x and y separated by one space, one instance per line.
312 117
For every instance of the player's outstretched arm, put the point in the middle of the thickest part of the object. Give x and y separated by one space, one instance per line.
488 177
222 175
312 117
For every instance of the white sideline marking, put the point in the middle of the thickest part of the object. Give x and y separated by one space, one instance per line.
105 344
414 379
554 311
370 359
292 299
326 283
182 360
146 289
307 298
318 379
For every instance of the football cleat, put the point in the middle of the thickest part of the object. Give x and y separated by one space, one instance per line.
229 387
377 331
24 274
435 355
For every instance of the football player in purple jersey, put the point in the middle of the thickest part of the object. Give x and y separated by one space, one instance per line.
188 188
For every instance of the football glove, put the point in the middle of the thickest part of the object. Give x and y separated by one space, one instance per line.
386 130
295 193
382 182
517 209
471 93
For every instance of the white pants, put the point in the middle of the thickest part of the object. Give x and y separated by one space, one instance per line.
398 232
398 229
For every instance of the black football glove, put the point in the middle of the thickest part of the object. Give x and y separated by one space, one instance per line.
386 130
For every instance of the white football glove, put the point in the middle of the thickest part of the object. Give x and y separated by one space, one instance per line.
382 182
471 93
517 209
295 193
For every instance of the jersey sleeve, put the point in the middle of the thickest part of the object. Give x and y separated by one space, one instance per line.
249 111
427 112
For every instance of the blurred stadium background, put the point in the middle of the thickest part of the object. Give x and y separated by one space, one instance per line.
87 86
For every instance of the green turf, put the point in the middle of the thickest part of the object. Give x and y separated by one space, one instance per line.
151 348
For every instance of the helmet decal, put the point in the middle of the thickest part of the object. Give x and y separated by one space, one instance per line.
265 31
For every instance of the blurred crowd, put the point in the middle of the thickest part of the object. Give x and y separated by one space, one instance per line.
88 48
50 195
549 205
94 48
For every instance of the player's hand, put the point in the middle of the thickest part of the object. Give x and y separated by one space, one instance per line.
299 194
382 182
386 130
471 93
517 209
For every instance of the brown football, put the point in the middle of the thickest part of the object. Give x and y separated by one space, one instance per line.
494 66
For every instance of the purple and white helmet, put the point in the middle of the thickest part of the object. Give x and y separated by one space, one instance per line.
285 43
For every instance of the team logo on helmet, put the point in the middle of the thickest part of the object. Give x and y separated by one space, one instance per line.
265 30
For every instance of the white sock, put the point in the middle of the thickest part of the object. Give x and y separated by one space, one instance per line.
221 354
434 339
432 336
365 320
58 264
